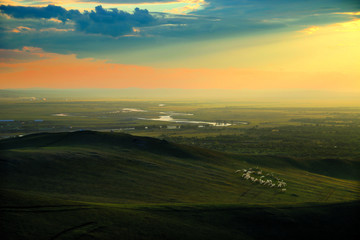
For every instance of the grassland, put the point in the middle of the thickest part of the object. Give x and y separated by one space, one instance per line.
28 216
98 115
182 184
86 185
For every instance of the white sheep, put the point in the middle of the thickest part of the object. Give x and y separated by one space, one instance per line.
246 176
281 184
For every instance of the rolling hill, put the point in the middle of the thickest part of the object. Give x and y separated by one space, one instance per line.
96 185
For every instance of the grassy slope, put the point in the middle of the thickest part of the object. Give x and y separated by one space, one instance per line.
121 168
87 185
26 216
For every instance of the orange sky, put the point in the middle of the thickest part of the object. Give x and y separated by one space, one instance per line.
67 71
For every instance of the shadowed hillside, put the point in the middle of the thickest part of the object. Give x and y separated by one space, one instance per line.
94 185
122 168
93 139
28 216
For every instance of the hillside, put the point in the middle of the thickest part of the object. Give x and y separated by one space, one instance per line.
121 168
28 216
95 185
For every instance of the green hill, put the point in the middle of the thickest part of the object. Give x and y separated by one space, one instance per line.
86 185
113 167
92 139
29 216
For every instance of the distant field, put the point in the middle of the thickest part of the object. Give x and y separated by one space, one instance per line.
131 115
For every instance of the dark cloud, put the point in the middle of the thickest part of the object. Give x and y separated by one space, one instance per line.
111 22
18 56
220 18
48 12
127 1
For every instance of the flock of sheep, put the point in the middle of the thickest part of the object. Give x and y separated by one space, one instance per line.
269 180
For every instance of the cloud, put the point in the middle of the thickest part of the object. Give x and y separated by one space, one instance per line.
351 26
21 29
111 22
104 32
310 30
26 54
300 11
48 12
349 13
214 18
56 30
193 5
131 1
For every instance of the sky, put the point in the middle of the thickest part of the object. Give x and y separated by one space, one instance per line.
188 44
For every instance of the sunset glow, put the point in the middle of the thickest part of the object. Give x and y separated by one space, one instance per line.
179 44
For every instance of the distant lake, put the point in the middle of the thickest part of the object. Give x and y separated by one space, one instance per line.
133 110
169 118
60 115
